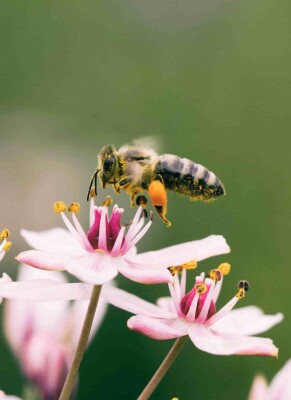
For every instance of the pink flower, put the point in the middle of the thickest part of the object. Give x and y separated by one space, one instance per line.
279 389
44 335
222 332
98 256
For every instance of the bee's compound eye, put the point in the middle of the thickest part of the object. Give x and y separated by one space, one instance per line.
243 285
108 163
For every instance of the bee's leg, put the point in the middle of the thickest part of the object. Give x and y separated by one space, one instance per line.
162 211
132 198
125 181
158 196
123 184
116 188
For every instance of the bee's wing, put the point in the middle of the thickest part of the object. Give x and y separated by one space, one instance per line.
149 142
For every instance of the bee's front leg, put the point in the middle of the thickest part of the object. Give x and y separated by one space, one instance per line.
125 181
132 198
116 188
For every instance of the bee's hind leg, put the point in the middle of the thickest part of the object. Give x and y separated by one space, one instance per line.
162 211
158 196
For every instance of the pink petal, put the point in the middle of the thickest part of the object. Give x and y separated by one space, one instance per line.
41 260
45 290
45 362
27 273
167 304
56 240
94 268
246 321
280 387
259 389
179 254
214 343
131 303
145 275
155 328
28 315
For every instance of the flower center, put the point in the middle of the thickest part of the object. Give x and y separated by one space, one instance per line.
112 227
201 290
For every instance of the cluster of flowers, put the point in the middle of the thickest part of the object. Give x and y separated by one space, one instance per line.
96 258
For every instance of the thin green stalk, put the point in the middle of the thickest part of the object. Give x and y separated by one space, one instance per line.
163 368
70 380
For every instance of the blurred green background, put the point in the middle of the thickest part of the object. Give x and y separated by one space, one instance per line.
209 78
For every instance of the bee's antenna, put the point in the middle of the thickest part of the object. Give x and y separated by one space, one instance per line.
93 179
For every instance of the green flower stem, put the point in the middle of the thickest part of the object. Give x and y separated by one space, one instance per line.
70 380
163 368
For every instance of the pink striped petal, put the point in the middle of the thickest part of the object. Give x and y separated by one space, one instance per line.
155 328
246 321
211 342
131 303
41 260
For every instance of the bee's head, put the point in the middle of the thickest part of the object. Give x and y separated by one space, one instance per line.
108 163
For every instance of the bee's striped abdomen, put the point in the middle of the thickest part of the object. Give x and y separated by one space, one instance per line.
186 177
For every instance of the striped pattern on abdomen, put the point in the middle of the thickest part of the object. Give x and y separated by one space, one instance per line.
185 176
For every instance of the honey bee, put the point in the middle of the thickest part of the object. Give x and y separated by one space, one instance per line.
137 169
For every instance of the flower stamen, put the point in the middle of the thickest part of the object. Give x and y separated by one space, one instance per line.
74 208
7 246
200 288
4 234
59 206
179 268
93 192
217 273
107 202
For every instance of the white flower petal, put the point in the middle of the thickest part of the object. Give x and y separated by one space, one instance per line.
27 273
56 240
246 321
44 261
214 343
131 303
45 290
160 329
144 274
94 268
181 253
167 304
